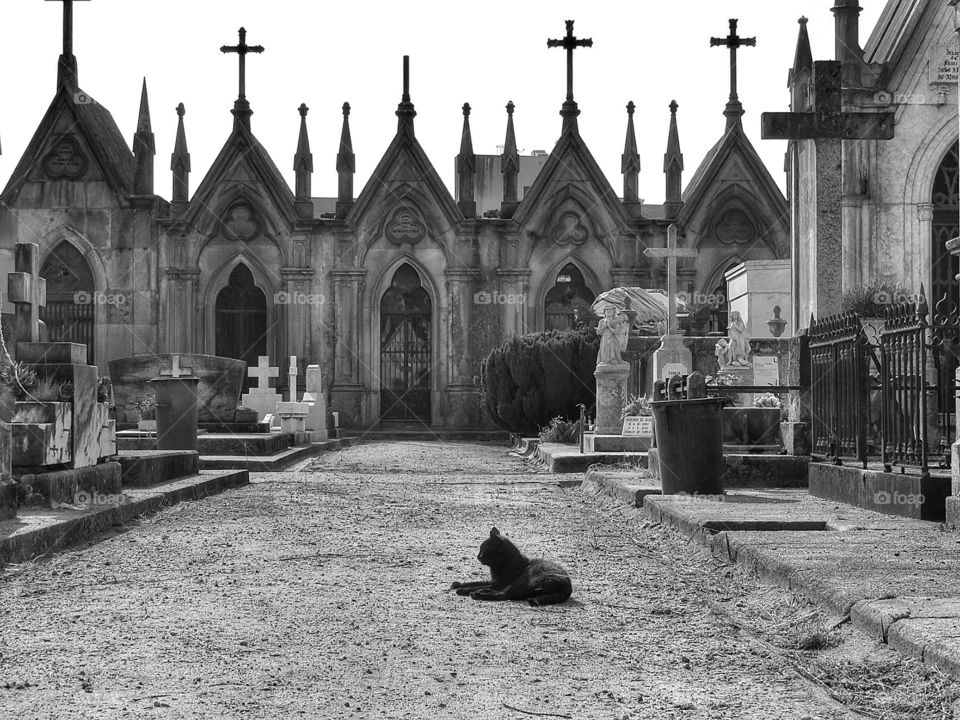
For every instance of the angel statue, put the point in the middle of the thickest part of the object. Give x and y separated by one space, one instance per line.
722 351
614 329
739 347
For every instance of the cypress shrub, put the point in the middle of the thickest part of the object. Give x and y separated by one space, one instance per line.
533 378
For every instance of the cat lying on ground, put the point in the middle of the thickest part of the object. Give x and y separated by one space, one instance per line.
515 577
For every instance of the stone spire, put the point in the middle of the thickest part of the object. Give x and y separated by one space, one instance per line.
405 111
802 67
630 160
346 167
510 167
180 165
846 14
673 166
67 65
144 148
466 168
303 167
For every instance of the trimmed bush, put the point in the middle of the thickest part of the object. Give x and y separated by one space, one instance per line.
533 378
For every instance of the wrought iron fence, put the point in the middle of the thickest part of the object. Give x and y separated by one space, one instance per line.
839 388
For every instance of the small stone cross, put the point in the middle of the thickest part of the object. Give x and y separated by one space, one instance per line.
263 372
671 252
27 291
293 378
177 370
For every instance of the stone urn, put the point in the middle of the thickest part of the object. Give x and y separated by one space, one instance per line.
751 426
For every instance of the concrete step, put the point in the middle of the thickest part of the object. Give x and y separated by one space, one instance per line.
270 463
390 434
241 444
73 485
142 468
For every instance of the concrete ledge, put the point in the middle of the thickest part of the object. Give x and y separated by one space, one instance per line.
270 463
626 487
36 533
62 486
143 468
9 499
754 470
909 496
567 458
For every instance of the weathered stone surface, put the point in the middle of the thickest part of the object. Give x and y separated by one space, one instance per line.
221 380
144 468
8 489
795 437
892 493
615 443
55 353
76 485
611 397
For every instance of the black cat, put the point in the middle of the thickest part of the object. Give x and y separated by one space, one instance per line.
515 577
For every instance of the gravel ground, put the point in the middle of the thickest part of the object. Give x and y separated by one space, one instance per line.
324 594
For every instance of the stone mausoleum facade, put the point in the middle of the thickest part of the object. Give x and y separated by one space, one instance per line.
399 290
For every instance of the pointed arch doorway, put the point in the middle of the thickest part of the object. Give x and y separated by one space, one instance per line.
946 210
569 301
406 365
240 319
70 312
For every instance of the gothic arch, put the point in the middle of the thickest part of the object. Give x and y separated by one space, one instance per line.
549 223
67 234
406 196
219 280
370 334
210 225
548 280
737 205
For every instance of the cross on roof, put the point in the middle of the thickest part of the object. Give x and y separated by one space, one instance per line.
177 370
570 43
671 252
242 49
263 372
67 24
733 42
27 291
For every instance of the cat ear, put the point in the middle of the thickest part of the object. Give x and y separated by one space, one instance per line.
494 532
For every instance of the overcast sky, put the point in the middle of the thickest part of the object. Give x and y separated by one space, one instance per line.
484 53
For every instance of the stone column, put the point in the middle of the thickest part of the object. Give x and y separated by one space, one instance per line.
611 397
462 363
517 318
300 305
347 394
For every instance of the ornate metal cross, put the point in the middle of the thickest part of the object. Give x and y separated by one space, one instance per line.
242 49
570 43
733 42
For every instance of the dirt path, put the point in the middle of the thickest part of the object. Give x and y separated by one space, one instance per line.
323 594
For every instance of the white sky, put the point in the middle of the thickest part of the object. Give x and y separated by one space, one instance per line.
484 53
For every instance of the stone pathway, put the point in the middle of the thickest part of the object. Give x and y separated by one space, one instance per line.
323 594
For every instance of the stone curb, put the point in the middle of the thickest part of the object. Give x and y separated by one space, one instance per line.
927 629
34 543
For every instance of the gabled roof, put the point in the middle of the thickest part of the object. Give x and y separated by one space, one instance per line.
894 29
734 143
405 153
242 147
570 149
96 126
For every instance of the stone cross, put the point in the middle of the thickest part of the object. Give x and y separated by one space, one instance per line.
27 291
570 43
671 252
733 42
177 370
242 49
293 378
263 372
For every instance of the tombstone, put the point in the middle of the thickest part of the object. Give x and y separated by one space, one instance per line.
262 398
317 418
755 288
176 392
293 414
672 357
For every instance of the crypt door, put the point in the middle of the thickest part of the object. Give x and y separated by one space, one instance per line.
946 207
71 297
241 320
568 302
405 349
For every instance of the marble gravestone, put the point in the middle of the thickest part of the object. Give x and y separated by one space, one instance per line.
293 414
313 396
262 398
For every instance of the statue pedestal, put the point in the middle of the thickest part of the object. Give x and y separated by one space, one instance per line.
744 376
671 358
611 397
